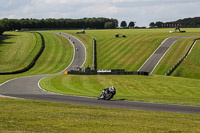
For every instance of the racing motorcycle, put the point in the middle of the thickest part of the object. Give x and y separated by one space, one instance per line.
107 93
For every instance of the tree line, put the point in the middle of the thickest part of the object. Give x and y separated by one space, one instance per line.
84 23
184 23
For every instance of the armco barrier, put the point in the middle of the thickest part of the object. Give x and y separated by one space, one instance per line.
33 61
181 60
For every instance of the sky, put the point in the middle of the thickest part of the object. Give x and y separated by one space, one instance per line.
140 11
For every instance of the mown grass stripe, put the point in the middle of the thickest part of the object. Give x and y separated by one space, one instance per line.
114 55
12 53
118 56
128 60
190 66
106 49
37 50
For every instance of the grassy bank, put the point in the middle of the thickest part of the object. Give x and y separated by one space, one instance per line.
36 116
190 67
17 50
57 55
158 89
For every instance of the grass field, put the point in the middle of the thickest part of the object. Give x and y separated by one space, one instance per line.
190 68
19 116
57 55
12 55
158 89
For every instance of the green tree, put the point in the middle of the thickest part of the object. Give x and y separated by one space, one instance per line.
123 24
94 23
1 29
115 22
159 24
152 25
3 26
131 24
109 25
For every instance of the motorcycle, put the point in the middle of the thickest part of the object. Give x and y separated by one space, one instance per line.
107 93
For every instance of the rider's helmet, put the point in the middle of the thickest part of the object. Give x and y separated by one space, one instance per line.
112 89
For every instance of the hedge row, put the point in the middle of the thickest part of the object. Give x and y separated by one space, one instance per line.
33 61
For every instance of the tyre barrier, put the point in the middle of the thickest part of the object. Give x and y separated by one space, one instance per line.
181 60
33 61
94 54
93 72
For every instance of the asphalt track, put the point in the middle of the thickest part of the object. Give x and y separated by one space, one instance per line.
27 88
159 53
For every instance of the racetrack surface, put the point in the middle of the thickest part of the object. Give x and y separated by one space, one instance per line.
79 52
27 88
159 53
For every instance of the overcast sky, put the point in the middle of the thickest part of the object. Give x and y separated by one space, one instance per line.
141 11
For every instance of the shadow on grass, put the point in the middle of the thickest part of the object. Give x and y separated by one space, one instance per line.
5 37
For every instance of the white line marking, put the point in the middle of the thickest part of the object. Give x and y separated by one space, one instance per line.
73 54
42 88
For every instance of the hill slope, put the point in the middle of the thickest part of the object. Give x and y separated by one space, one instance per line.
17 50
57 55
